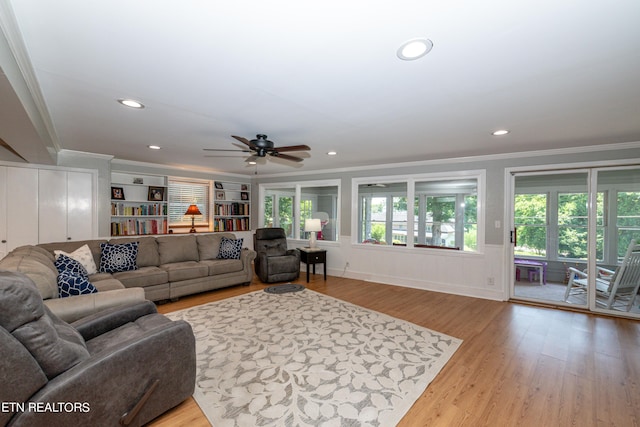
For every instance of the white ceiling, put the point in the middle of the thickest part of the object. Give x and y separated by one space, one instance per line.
556 73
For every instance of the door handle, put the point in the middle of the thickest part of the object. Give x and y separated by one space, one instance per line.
513 237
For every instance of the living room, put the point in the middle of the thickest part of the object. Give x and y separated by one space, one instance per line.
394 126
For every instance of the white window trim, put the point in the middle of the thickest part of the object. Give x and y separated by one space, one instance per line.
297 187
210 196
480 175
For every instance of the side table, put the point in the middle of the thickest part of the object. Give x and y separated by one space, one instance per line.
313 256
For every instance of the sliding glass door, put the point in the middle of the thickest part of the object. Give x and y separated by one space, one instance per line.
550 234
616 275
571 234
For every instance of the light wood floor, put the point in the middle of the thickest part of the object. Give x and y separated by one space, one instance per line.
519 365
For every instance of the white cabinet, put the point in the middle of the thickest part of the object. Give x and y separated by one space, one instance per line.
65 205
18 207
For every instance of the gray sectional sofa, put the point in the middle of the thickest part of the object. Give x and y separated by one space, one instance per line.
168 267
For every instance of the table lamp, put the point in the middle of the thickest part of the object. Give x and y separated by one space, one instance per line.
193 211
312 226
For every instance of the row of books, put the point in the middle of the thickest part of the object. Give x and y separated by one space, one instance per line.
231 209
141 210
231 224
132 227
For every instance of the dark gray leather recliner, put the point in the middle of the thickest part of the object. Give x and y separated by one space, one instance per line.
122 366
274 262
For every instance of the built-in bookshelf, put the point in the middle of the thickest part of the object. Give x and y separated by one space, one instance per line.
138 204
231 206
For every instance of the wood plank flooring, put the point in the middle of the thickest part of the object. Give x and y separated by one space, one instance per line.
519 365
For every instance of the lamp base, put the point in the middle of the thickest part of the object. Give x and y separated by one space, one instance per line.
193 230
193 227
312 240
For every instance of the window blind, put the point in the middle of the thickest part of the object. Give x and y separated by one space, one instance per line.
185 193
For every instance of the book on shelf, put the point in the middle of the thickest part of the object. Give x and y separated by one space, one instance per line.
231 224
234 208
145 209
135 227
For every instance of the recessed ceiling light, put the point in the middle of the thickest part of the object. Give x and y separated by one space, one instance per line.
332 153
500 132
131 103
414 49
154 147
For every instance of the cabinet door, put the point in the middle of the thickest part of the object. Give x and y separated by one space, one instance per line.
79 206
22 207
52 206
65 206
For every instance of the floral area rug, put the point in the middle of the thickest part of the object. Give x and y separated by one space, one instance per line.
306 359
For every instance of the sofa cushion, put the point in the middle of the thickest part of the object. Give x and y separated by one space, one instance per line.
65 264
147 250
208 245
54 344
120 257
83 255
142 277
127 332
44 275
177 249
186 270
222 266
70 284
230 248
108 284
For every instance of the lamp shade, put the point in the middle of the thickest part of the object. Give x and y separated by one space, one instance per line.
312 224
193 210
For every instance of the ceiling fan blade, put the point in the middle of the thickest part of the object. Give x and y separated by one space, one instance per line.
216 156
292 148
224 149
245 141
251 159
286 157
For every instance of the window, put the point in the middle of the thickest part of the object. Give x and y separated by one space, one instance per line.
183 193
627 220
383 213
445 212
288 206
531 224
573 223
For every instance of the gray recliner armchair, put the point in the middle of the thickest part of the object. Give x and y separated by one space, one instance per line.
274 262
125 365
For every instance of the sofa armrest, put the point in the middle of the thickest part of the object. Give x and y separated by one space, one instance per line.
293 252
112 318
247 256
73 308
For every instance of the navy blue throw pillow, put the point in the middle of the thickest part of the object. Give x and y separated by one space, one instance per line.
115 258
230 248
66 264
74 284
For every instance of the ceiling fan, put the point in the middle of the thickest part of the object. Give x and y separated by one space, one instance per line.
261 147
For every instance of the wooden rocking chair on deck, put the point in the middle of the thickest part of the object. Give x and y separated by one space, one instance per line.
616 286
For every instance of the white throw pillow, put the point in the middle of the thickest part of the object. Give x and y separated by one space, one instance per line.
83 256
